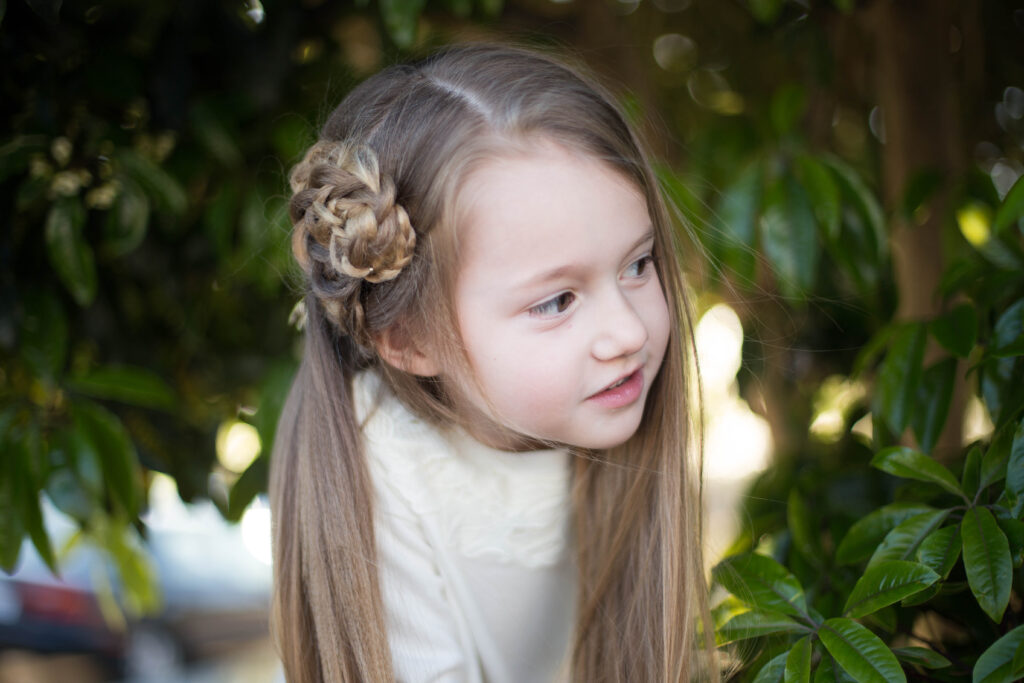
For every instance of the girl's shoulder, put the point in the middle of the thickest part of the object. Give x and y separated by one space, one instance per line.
482 502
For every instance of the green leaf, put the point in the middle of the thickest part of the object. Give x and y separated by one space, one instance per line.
401 18
933 397
920 188
48 10
1014 530
1008 336
902 542
1015 470
249 484
787 108
774 671
899 376
44 335
762 583
214 135
972 471
157 183
135 386
492 8
987 561
765 11
789 237
886 583
994 464
864 203
754 624
798 662
830 672
921 656
801 529
860 652
15 154
12 529
957 330
127 220
940 550
910 464
69 253
996 664
737 219
19 492
116 450
1012 208
823 192
864 536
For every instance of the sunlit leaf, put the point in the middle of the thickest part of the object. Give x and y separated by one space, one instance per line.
957 330
763 583
934 395
864 536
860 652
754 624
798 662
987 561
996 664
885 583
135 386
70 255
910 464
902 542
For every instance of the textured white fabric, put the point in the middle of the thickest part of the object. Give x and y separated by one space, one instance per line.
473 549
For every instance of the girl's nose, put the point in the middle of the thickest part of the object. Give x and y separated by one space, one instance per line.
620 329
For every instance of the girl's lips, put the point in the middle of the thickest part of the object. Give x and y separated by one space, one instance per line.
623 394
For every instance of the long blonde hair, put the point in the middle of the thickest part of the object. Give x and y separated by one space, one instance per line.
389 164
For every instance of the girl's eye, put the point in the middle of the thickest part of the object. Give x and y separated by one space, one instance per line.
640 267
554 305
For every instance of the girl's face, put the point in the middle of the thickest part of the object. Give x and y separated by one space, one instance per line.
562 316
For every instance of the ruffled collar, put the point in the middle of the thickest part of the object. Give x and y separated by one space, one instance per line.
485 503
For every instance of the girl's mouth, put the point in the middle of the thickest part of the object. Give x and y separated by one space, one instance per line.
623 392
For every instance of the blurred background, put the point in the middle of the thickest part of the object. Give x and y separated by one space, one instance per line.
846 173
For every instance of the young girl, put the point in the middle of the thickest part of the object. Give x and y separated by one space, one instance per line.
481 472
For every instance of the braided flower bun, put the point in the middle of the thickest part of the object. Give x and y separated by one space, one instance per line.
347 227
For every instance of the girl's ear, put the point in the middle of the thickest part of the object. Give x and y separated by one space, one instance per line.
398 349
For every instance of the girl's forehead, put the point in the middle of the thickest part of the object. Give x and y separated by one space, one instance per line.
545 210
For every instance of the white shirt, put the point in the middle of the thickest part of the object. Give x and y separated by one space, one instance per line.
476 566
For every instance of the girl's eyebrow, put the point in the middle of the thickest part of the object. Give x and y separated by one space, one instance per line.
561 271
